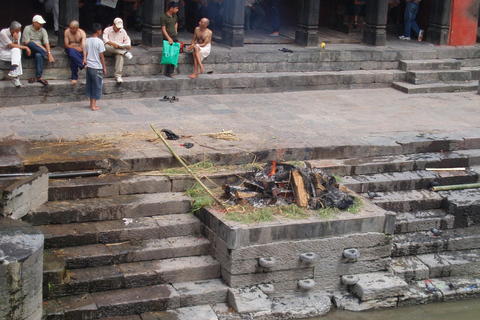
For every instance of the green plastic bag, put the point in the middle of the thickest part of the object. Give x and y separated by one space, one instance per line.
170 53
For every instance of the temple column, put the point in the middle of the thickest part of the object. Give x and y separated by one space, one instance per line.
152 35
233 20
306 33
68 11
375 31
439 24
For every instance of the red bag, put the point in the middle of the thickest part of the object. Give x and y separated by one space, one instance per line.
181 46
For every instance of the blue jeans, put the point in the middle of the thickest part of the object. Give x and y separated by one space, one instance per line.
94 83
76 62
411 11
38 53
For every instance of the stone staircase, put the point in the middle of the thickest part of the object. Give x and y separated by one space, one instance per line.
119 247
258 69
449 261
437 75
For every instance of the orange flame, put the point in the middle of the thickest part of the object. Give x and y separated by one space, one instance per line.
274 168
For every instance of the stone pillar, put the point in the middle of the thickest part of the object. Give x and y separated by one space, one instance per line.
375 31
439 24
306 33
68 11
233 20
152 35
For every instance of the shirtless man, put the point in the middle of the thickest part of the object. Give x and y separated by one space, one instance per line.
201 45
75 38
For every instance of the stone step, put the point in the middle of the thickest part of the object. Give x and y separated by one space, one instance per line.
111 185
435 87
464 204
445 76
436 265
424 242
135 301
116 231
135 274
111 208
411 200
397 163
423 221
411 180
56 261
430 64
135 87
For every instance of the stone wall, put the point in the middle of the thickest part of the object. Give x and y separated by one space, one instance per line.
25 195
21 270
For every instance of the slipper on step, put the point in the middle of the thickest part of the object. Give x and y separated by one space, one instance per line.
285 50
31 80
42 81
273 35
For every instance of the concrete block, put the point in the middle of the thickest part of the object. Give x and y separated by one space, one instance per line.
352 303
25 195
197 312
248 300
379 286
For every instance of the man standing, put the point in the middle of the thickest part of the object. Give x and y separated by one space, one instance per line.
117 43
411 11
51 6
36 38
74 39
11 50
169 29
201 45
254 14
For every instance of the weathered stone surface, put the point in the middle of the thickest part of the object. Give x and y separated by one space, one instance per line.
352 303
26 194
248 300
244 280
302 306
115 231
21 268
136 300
464 204
79 307
88 187
195 293
177 225
378 286
409 200
423 221
410 268
198 312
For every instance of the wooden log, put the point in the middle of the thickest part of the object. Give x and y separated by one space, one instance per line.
301 195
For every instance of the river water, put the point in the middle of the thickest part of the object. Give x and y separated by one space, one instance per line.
452 310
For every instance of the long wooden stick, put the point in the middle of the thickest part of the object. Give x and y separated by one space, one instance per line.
185 166
457 187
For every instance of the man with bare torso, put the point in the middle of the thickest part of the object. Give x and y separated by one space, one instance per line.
75 38
201 45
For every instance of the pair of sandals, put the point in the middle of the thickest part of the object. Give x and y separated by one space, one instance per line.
42 81
167 98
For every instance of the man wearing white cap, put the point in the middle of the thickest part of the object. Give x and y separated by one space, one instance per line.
11 50
35 37
117 43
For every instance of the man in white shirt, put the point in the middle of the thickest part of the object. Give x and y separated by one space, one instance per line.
11 50
117 43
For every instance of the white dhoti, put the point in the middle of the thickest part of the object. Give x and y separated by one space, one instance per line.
14 55
204 51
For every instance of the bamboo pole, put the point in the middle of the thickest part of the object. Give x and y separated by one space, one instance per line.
457 187
445 169
185 166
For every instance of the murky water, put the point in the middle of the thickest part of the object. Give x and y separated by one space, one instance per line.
454 310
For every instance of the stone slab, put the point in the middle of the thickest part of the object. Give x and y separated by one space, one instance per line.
378 286
194 293
302 306
247 300
410 268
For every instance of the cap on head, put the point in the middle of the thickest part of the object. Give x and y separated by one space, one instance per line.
38 18
118 22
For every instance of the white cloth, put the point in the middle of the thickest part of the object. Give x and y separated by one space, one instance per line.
7 53
94 46
204 51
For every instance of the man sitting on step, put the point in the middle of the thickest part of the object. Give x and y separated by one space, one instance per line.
74 39
117 43
11 50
